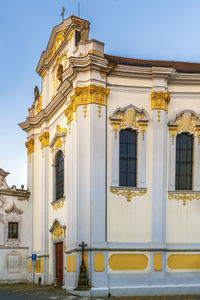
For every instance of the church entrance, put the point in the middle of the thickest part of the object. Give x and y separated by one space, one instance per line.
59 262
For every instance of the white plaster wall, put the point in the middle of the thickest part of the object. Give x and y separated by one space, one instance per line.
182 221
37 195
129 221
15 267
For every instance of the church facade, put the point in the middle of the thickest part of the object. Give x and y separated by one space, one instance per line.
113 155
15 231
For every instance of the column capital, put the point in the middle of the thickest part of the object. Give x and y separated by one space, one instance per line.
160 100
44 139
30 146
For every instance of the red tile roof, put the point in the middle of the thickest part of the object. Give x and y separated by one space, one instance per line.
184 67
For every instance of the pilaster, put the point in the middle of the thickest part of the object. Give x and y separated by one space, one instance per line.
44 140
30 163
159 103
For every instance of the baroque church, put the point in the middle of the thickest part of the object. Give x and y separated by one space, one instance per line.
113 157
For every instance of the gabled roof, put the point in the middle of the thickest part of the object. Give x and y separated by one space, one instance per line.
65 29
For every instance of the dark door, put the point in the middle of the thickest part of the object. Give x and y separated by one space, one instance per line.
59 262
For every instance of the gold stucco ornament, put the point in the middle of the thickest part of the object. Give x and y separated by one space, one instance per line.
30 146
58 204
184 197
85 95
160 100
128 193
58 232
44 139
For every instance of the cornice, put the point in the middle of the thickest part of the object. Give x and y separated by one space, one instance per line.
21 194
76 64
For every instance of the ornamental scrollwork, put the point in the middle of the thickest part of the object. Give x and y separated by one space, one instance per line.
59 139
129 117
129 194
186 121
30 146
39 104
58 232
44 139
58 204
85 95
184 197
160 100
59 40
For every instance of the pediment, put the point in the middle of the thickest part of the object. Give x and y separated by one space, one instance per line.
58 139
13 209
185 121
129 116
60 34
55 222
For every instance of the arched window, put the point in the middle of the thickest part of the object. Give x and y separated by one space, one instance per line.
184 161
128 158
59 175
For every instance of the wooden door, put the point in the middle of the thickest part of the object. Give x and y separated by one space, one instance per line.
59 262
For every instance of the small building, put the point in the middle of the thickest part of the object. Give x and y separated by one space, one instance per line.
15 231
113 154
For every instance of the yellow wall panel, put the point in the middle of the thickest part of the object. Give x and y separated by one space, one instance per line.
157 262
37 267
99 262
183 261
74 263
29 265
68 263
128 262
42 265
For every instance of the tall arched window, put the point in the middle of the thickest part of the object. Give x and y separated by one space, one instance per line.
128 158
59 175
184 161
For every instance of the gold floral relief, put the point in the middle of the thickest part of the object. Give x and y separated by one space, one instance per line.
160 100
185 122
58 232
30 146
129 118
58 204
44 139
58 41
129 194
39 105
85 95
184 197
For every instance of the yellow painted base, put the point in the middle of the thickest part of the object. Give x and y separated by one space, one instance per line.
99 262
128 262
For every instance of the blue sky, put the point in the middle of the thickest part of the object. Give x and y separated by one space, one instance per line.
148 29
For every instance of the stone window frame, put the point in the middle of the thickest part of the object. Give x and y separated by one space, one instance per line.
13 214
129 117
186 121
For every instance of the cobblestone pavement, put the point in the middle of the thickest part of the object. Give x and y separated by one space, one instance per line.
31 292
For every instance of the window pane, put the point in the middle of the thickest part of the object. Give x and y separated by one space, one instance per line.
123 150
123 165
131 150
59 176
128 156
123 179
130 179
123 136
184 157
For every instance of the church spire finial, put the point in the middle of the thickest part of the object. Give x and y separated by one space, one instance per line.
63 13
